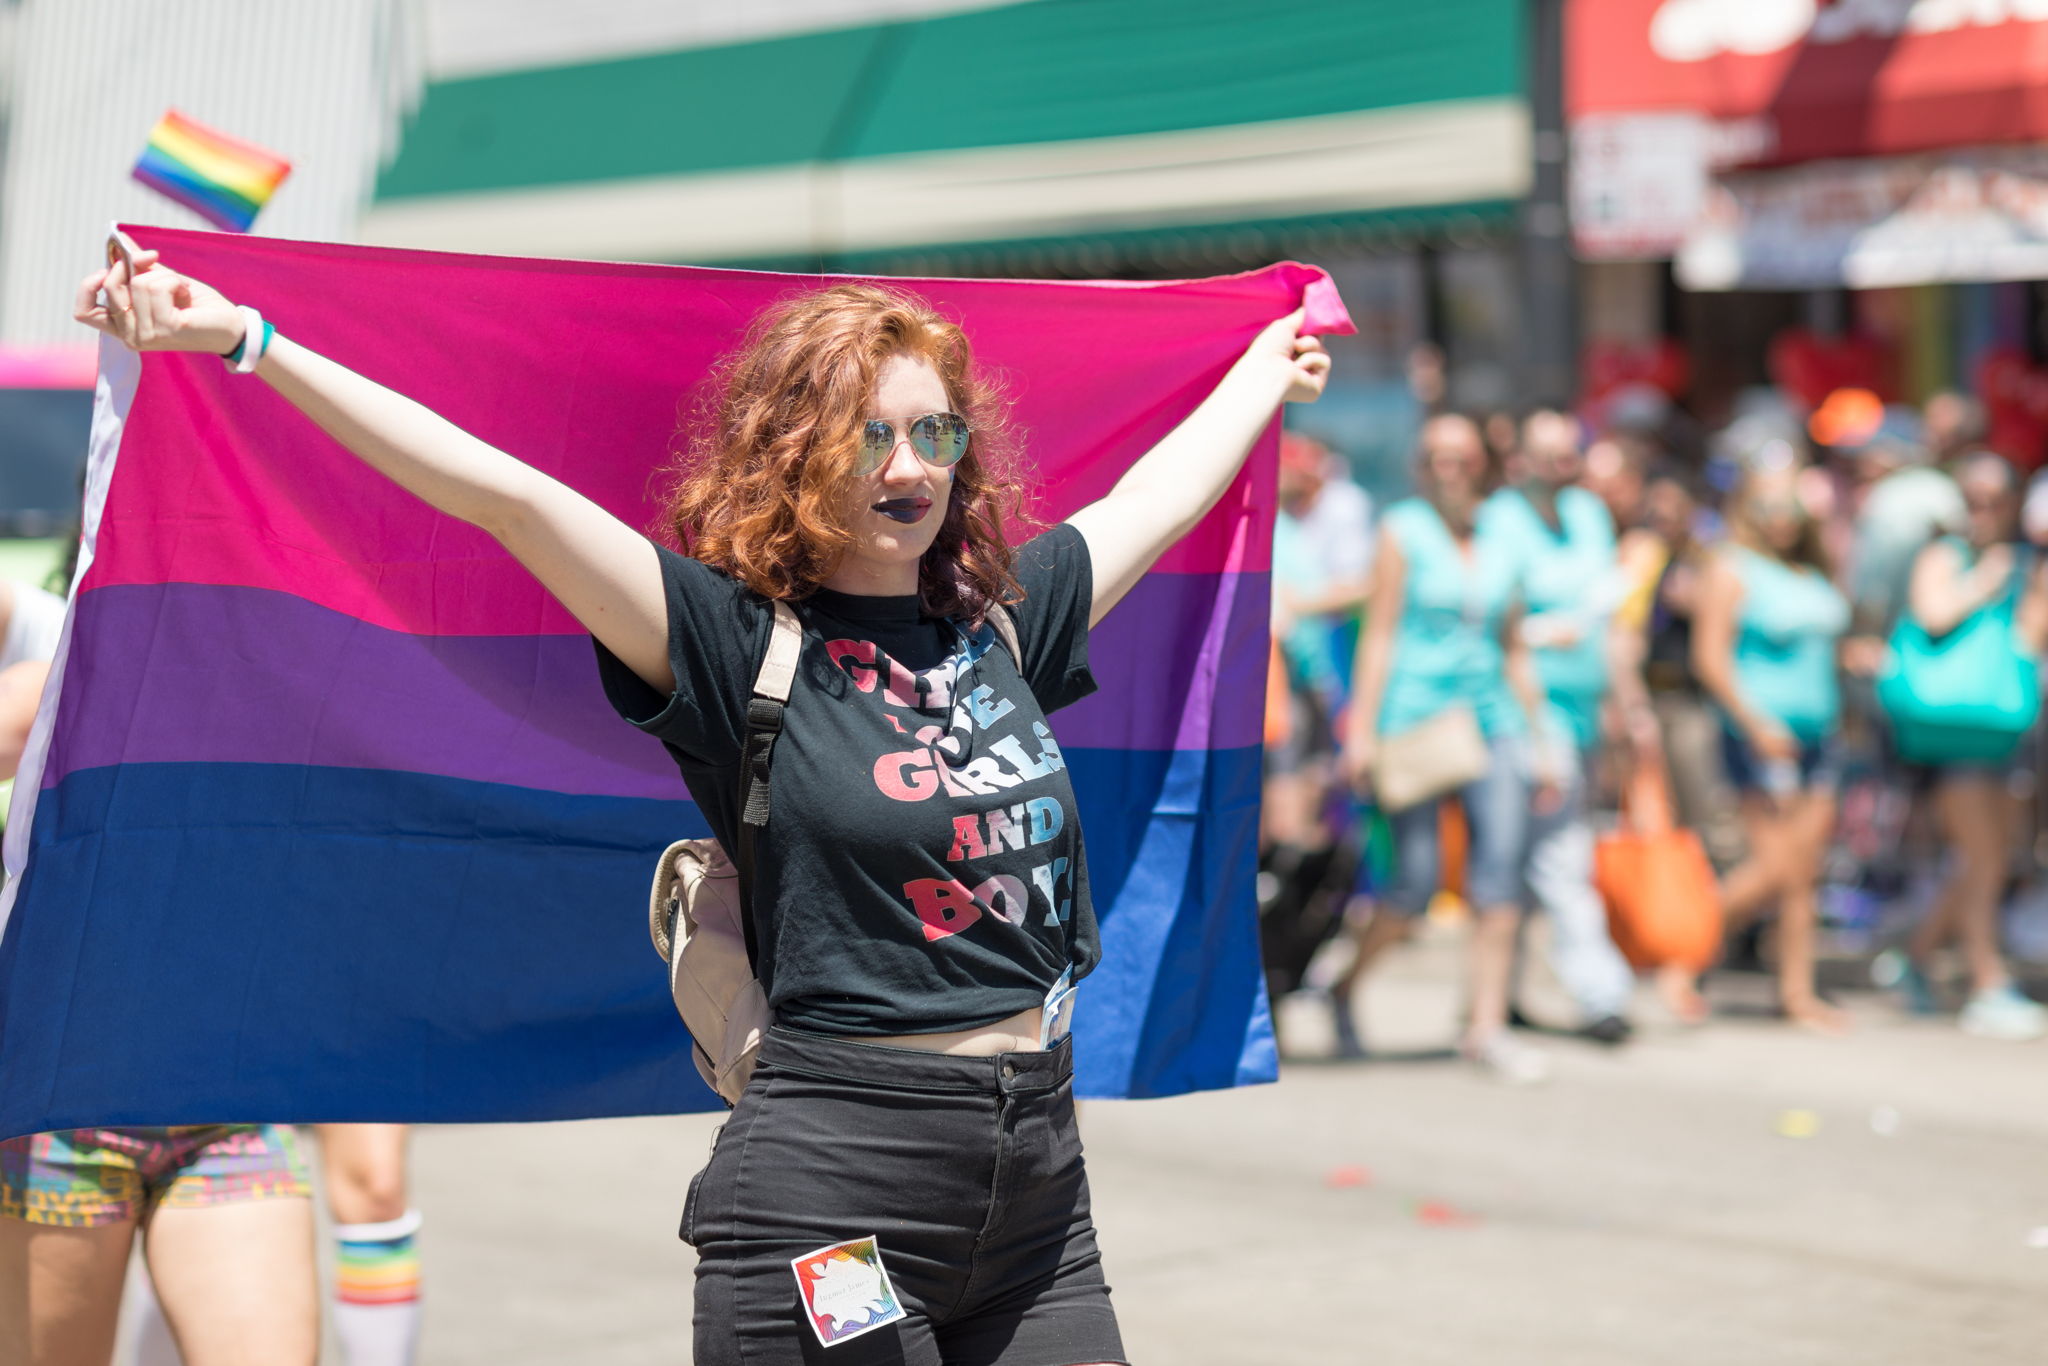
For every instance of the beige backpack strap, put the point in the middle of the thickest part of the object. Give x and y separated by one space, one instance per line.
785 645
1006 631
764 724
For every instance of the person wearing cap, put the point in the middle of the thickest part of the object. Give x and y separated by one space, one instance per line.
1322 559
1324 536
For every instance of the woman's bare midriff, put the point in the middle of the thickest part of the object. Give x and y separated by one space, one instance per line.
1018 1034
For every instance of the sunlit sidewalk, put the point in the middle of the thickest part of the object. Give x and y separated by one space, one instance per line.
1737 1193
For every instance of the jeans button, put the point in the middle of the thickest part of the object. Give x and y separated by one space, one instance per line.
1009 1071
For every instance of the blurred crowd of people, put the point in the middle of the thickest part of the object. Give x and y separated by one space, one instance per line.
1806 644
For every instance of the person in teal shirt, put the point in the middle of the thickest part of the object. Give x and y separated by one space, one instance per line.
1571 585
1955 582
1441 634
1766 639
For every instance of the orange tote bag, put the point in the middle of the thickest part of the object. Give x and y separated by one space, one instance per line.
1663 903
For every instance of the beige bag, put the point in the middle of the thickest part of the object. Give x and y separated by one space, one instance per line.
697 892
697 898
697 910
1441 755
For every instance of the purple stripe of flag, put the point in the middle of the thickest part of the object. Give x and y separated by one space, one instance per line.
179 673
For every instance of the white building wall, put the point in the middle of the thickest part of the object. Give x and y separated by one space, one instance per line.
477 37
323 84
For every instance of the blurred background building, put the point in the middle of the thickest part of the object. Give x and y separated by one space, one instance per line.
84 81
1815 195
1053 137
1751 191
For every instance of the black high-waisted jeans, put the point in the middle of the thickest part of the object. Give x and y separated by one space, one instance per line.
967 1171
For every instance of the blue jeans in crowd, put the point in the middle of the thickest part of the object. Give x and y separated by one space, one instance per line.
1497 815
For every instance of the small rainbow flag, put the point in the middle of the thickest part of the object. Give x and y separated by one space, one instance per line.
224 180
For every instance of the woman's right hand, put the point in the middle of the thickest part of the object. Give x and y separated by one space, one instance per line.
158 309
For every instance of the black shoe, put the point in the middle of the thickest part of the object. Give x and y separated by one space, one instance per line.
1517 1020
1608 1029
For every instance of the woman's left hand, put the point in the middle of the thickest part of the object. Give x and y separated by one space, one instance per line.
1306 363
157 309
1311 370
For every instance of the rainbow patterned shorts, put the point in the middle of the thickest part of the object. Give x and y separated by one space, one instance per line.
83 1178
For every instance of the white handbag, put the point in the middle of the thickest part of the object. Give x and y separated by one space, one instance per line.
1441 755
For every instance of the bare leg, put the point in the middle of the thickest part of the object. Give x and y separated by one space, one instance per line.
237 1281
364 1170
1975 820
1679 987
1750 886
1808 820
60 1292
1492 964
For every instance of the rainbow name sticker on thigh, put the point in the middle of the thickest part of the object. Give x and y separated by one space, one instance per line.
845 1290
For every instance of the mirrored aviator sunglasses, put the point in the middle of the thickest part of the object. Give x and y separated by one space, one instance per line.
938 438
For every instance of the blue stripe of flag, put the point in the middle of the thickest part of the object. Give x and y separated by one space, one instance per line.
248 942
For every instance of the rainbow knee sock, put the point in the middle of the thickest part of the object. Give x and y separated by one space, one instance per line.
377 1291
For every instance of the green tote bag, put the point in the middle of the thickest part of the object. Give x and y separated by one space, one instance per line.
1966 696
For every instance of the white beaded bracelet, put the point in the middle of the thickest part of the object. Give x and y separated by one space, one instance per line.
256 336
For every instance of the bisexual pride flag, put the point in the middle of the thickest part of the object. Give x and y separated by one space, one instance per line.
224 180
325 815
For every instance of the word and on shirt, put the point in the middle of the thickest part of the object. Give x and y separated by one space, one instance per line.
937 767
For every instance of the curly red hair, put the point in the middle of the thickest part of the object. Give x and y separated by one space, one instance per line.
761 490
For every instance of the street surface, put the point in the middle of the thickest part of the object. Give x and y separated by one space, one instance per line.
1645 1206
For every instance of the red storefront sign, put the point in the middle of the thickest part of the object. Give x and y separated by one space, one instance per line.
1783 81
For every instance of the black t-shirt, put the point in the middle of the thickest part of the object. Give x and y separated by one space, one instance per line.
921 870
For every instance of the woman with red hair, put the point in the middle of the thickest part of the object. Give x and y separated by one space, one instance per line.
912 929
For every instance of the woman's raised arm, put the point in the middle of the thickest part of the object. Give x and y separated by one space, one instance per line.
1160 498
603 571
1942 594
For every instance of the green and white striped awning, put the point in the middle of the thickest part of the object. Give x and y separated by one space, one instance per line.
1041 122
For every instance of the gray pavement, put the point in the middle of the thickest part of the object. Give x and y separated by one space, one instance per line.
1642 1207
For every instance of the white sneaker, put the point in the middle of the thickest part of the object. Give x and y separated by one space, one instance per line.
1508 1058
2004 1013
